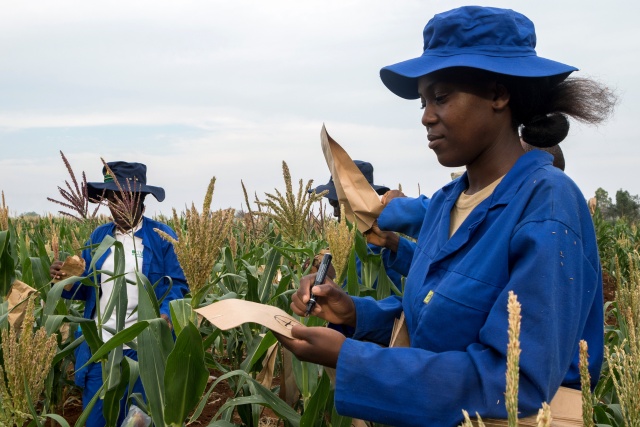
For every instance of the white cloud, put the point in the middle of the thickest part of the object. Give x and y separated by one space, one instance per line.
202 88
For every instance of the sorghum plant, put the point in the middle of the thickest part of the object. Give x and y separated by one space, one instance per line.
544 415
198 248
291 212
623 359
27 361
340 238
254 223
4 215
513 359
75 197
126 199
585 384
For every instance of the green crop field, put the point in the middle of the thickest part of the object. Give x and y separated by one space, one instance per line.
243 374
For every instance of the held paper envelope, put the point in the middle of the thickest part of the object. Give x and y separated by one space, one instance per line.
230 313
361 202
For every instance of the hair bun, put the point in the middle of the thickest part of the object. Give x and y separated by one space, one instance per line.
546 130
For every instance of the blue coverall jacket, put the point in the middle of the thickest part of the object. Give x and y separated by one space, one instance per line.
403 215
534 236
159 260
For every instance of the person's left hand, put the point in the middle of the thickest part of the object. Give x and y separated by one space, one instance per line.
384 239
390 195
314 344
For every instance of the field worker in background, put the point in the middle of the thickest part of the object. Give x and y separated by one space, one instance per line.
144 251
381 239
511 223
554 150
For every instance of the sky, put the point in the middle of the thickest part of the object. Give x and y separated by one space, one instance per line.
231 89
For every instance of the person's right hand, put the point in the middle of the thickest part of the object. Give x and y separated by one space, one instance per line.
332 303
55 272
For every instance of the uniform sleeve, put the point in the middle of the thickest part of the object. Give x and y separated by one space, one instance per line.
556 285
404 215
400 261
374 319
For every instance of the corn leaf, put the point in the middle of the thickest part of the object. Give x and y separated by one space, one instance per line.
315 406
7 266
118 339
260 396
111 405
186 376
181 314
154 346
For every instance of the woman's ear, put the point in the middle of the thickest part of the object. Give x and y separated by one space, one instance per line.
501 97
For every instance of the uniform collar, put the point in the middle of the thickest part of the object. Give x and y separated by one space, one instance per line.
503 193
510 184
134 230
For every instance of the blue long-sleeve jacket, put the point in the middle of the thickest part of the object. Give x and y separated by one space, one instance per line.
159 262
403 215
533 236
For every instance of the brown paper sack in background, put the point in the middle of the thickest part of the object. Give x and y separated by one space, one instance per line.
72 266
361 202
231 313
19 293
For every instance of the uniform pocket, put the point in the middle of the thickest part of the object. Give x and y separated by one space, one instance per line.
451 317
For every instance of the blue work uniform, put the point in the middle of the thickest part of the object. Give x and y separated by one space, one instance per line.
159 262
404 215
534 236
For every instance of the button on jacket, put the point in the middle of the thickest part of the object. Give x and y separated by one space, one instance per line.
534 236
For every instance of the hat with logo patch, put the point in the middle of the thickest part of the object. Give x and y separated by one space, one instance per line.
124 176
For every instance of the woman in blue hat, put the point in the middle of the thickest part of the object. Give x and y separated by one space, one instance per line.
512 222
123 190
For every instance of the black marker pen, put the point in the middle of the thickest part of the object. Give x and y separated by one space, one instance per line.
320 275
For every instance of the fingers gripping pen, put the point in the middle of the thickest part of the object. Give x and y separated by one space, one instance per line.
320 275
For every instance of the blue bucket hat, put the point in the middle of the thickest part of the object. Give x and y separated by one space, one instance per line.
367 170
498 40
130 176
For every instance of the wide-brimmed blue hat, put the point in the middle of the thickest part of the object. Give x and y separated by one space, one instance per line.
498 40
130 176
367 170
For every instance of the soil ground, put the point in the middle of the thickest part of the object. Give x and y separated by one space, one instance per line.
73 406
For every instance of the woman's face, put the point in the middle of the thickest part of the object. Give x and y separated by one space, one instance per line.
460 116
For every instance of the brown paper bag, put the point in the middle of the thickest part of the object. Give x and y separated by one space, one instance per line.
18 295
230 313
400 333
361 202
72 266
